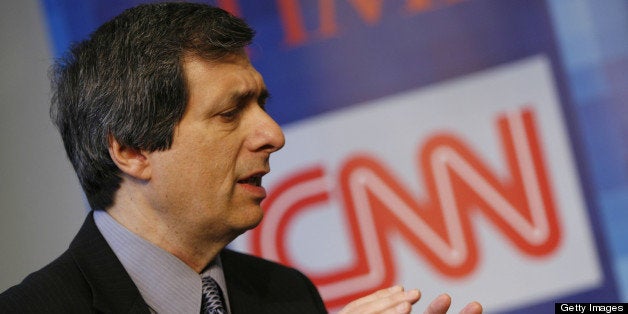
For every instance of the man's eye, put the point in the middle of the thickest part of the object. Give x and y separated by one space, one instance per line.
231 114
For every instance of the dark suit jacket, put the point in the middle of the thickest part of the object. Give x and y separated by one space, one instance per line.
89 278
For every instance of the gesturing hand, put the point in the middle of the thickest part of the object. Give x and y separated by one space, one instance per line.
442 302
397 300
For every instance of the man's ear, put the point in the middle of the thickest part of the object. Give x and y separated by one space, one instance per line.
131 161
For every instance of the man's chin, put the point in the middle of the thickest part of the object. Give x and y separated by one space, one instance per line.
252 219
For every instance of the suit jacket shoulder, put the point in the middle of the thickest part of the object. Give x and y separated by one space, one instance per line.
257 285
87 278
57 287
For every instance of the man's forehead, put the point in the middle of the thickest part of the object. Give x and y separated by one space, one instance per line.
236 69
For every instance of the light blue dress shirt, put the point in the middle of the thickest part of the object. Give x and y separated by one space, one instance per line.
166 283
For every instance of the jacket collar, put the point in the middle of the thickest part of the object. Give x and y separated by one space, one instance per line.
113 290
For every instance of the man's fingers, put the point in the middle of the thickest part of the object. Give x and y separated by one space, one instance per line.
440 305
396 300
472 308
374 296
390 300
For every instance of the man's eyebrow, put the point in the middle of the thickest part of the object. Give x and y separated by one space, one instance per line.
240 97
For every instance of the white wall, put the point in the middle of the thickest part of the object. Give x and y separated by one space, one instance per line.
41 205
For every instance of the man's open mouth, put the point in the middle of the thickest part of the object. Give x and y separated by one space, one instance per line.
253 180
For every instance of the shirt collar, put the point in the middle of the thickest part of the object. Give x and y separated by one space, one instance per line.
165 282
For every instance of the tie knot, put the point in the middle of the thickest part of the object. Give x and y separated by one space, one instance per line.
212 297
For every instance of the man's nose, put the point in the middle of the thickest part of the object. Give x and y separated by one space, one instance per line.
267 134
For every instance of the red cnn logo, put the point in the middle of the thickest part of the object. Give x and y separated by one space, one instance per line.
458 185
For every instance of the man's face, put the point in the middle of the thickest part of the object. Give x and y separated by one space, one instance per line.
209 181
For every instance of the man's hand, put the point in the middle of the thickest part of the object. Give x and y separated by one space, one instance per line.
442 302
397 300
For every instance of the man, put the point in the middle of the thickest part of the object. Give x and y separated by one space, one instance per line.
162 117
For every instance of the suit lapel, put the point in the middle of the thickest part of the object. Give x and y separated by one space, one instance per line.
112 289
243 298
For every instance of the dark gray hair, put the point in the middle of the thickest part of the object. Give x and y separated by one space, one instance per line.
126 80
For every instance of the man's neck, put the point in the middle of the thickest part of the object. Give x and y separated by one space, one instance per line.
195 250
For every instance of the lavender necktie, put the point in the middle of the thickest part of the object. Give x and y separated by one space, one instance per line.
212 297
